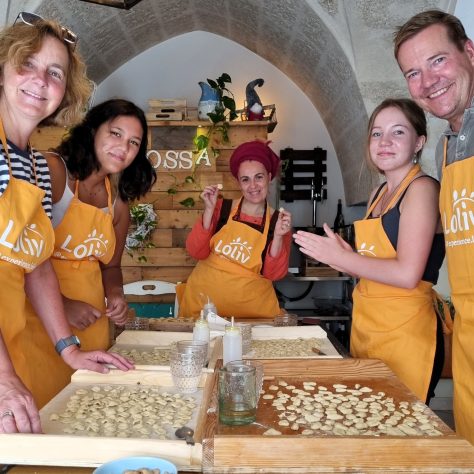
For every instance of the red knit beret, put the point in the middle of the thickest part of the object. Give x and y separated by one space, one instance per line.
255 151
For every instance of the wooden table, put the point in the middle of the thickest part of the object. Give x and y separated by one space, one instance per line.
245 449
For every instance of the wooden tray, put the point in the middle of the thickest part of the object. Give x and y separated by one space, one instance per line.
294 332
58 449
143 340
244 449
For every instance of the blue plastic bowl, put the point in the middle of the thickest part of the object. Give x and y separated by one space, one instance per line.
136 462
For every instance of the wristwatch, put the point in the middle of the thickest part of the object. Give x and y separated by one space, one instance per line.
66 342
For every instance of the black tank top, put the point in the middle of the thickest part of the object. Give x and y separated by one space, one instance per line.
391 224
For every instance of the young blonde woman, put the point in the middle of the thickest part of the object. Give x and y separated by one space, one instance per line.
42 80
400 249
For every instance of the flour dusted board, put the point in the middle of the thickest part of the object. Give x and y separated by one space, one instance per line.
151 348
56 448
290 343
252 451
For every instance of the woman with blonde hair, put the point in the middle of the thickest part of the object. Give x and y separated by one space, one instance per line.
400 248
42 81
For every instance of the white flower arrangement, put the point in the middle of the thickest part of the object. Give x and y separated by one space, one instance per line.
143 222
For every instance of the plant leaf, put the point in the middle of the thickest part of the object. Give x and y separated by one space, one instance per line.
212 83
201 141
225 77
229 102
189 179
188 202
172 191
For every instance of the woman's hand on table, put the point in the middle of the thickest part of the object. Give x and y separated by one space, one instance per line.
96 361
18 412
79 314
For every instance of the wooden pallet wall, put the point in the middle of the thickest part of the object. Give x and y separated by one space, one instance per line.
168 259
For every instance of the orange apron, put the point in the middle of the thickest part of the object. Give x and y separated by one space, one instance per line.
230 276
26 241
456 202
84 238
395 325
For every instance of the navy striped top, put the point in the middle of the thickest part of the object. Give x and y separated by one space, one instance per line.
22 168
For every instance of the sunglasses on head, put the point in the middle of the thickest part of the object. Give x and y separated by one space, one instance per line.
32 19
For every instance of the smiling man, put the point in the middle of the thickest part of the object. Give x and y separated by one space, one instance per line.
437 60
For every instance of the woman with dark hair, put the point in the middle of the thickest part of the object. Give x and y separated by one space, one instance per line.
97 169
400 249
242 245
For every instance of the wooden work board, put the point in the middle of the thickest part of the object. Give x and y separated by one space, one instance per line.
245 449
56 448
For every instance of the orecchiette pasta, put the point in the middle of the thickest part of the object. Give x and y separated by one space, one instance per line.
268 348
347 411
125 411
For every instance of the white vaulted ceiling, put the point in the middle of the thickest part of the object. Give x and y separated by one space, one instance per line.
334 50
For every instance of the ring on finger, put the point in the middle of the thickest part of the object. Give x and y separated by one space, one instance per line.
6 413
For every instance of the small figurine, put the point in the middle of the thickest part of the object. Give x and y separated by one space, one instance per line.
254 104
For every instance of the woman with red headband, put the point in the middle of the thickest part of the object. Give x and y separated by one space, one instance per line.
242 245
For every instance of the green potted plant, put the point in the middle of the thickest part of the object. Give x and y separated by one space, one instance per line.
143 221
224 113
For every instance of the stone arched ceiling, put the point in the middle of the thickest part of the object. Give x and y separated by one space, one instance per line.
321 45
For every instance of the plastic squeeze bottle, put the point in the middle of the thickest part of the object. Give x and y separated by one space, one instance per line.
201 331
209 307
232 342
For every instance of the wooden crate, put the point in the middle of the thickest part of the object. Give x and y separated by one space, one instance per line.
164 115
244 449
57 449
166 103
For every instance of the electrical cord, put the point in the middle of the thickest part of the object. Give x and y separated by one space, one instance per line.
295 298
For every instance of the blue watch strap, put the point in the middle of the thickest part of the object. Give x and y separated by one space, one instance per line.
66 342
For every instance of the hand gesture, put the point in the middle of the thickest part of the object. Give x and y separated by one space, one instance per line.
327 249
18 412
80 315
209 195
283 223
117 308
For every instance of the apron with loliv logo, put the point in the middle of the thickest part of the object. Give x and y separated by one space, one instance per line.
84 239
230 275
26 241
395 325
457 215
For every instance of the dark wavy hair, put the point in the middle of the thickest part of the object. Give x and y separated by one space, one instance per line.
78 151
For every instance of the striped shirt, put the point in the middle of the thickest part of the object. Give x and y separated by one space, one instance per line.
22 168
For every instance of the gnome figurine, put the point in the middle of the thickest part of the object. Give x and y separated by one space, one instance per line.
254 104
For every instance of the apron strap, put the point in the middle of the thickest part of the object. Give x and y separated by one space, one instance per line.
270 233
109 194
414 170
225 213
445 152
